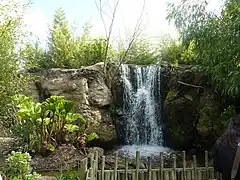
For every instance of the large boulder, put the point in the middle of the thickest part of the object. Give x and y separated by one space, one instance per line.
86 87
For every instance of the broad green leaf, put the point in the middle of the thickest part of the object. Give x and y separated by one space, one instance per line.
92 136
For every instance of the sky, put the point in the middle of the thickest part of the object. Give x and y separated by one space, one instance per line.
154 24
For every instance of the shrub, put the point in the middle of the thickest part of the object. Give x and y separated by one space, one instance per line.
18 167
44 126
11 82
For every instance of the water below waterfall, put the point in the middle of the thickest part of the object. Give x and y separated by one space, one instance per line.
142 109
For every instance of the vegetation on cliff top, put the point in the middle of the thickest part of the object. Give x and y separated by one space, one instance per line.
214 39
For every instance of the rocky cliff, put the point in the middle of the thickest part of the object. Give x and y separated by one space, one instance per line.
195 113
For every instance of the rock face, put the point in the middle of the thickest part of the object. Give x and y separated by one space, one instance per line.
86 88
193 111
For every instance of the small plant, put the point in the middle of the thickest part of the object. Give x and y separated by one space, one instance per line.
44 126
70 175
18 167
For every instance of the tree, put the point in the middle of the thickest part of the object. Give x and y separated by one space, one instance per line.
11 38
141 53
111 71
35 57
215 40
61 43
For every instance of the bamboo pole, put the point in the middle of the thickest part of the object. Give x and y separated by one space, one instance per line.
174 167
206 165
142 176
107 175
115 165
184 165
166 175
91 160
164 170
87 175
137 163
149 169
126 168
91 177
96 164
92 164
161 166
113 175
133 175
154 175
192 171
103 168
195 167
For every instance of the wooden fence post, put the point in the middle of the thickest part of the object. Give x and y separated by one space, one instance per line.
174 167
126 168
115 165
206 165
96 165
195 167
161 166
137 164
91 175
103 168
149 169
184 165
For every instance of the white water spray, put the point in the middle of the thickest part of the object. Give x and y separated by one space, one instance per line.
142 109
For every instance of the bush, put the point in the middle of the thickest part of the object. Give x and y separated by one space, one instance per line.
44 126
216 40
11 82
18 167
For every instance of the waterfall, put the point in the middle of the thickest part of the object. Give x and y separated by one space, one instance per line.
142 104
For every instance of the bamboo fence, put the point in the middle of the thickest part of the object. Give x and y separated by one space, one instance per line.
162 173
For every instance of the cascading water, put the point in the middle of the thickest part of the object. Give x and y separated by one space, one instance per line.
142 109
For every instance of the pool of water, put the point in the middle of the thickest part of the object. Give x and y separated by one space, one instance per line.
145 150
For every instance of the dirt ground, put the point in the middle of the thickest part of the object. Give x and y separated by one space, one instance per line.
4 132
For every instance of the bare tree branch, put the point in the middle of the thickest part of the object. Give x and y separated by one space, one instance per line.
108 34
135 33
192 85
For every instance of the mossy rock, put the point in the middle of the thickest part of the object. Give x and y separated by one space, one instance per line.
170 96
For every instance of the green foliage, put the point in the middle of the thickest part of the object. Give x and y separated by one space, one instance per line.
227 114
71 175
11 82
92 136
216 40
18 167
64 49
174 52
43 126
67 51
212 120
61 41
141 53
170 96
